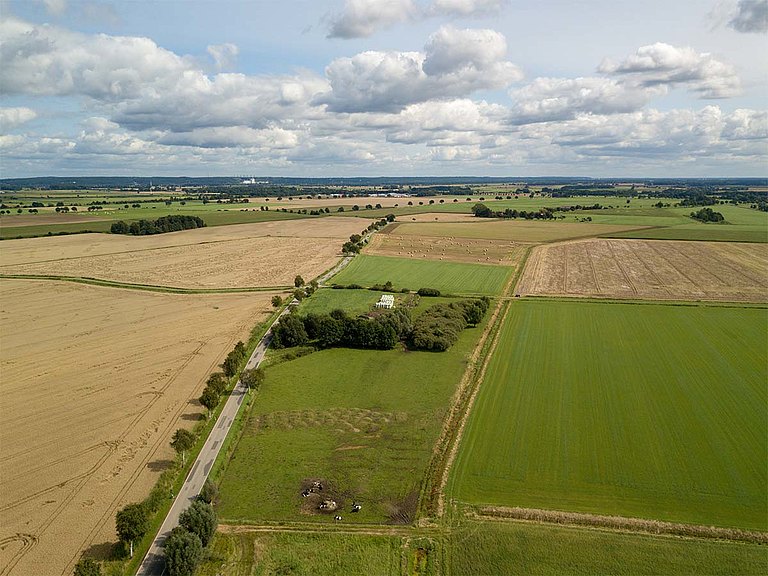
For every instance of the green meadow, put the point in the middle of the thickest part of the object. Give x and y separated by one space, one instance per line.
641 410
448 277
363 421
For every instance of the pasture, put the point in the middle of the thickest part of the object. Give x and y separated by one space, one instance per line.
663 270
448 277
526 231
95 381
500 252
640 410
319 554
218 257
483 548
362 421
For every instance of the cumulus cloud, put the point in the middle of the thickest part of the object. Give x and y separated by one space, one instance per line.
11 118
751 16
662 64
361 18
455 63
50 61
224 55
557 99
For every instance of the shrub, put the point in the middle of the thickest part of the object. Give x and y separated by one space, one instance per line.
428 292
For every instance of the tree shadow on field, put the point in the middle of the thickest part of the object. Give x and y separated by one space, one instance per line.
160 465
193 417
105 551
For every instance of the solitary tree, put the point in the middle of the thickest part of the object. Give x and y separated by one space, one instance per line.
200 519
87 567
252 378
277 301
183 552
209 399
298 281
131 523
182 441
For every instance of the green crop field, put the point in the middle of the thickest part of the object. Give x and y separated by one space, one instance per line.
449 277
498 548
642 410
364 421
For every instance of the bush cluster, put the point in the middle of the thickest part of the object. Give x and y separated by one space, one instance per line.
428 292
707 215
438 328
160 226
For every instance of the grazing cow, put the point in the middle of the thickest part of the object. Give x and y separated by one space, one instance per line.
337 518
356 507
305 493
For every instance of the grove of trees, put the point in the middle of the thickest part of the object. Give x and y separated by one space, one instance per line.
164 224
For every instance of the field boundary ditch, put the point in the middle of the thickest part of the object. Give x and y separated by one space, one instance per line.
619 523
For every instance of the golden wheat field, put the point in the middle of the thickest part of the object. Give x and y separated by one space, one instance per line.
501 252
655 269
244 255
95 381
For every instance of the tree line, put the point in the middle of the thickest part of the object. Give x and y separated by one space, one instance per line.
164 224
482 211
437 329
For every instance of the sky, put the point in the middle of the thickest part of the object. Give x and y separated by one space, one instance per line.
323 88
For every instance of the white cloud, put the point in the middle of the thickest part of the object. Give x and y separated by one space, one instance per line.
11 118
362 18
455 64
557 99
751 16
663 64
224 55
46 60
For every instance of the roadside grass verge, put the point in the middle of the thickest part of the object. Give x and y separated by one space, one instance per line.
449 277
648 411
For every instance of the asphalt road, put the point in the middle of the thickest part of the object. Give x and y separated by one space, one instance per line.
154 562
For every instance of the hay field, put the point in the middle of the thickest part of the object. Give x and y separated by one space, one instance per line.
95 381
502 252
439 217
510 230
650 411
656 269
264 254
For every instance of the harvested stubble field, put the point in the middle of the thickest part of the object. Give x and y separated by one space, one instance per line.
246 255
501 252
95 381
655 269
641 410
510 230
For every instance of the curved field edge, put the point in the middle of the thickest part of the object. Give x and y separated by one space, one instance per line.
649 427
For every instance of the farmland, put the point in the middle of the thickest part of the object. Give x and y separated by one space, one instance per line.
452 277
510 230
666 270
363 421
640 410
233 257
453 250
95 381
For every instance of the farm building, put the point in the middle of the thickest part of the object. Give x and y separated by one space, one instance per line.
386 301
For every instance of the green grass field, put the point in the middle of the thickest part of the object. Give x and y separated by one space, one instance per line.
448 277
643 410
500 548
302 554
364 421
